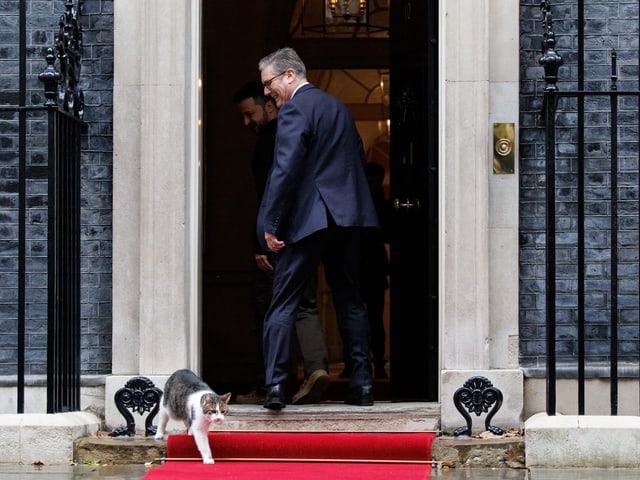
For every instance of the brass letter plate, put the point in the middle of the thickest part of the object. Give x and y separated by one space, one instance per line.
503 147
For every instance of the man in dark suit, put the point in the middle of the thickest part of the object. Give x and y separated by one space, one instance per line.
314 209
260 114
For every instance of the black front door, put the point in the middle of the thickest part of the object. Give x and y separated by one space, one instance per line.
414 193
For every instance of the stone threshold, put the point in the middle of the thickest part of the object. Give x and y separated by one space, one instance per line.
336 416
446 452
323 417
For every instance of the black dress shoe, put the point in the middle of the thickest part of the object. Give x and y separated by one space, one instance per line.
274 399
361 396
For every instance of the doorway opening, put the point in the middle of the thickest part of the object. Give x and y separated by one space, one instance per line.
389 82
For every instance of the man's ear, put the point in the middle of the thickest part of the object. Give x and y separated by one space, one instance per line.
270 108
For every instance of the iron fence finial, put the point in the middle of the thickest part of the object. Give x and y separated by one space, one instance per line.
550 58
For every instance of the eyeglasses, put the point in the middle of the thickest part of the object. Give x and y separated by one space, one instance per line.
267 84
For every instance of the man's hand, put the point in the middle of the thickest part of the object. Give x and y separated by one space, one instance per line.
262 261
273 243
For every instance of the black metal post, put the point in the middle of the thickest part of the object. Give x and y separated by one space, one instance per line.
550 280
22 193
614 238
551 61
581 217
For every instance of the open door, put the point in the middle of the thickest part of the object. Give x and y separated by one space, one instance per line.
414 193
409 57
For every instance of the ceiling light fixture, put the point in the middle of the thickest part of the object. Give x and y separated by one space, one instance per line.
341 17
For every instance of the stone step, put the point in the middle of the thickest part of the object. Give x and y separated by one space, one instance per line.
323 417
485 451
336 416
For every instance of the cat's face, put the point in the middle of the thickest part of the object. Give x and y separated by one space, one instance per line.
214 406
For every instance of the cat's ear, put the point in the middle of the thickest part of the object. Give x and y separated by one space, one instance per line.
226 397
205 399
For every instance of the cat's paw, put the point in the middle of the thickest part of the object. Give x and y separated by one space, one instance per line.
208 461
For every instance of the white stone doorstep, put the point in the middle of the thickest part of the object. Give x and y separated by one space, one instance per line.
582 441
38 437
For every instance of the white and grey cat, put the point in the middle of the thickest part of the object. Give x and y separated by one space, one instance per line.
188 399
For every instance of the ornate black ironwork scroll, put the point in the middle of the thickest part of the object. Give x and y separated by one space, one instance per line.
477 395
65 84
139 395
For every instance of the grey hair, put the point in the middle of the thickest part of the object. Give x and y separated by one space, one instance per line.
282 60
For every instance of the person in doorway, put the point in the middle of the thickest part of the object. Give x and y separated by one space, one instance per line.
259 113
314 209
373 272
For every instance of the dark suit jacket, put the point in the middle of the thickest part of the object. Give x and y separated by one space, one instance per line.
261 166
318 170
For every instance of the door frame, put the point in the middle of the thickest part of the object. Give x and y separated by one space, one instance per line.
359 56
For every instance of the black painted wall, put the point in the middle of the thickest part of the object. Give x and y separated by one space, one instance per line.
608 25
96 175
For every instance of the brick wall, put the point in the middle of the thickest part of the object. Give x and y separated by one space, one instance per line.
96 178
608 25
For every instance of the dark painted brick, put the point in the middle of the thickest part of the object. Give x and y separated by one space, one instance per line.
97 80
607 25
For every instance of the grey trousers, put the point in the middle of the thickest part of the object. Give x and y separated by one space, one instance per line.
309 330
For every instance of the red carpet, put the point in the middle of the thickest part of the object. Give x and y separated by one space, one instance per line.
287 455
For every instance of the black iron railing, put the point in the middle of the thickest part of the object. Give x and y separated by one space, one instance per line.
62 113
63 333
566 116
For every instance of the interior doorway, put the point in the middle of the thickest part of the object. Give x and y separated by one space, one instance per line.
398 123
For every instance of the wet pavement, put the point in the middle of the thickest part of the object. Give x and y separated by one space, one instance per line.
537 474
67 472
135 472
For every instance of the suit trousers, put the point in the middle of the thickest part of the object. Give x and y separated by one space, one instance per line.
337 248
308 326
